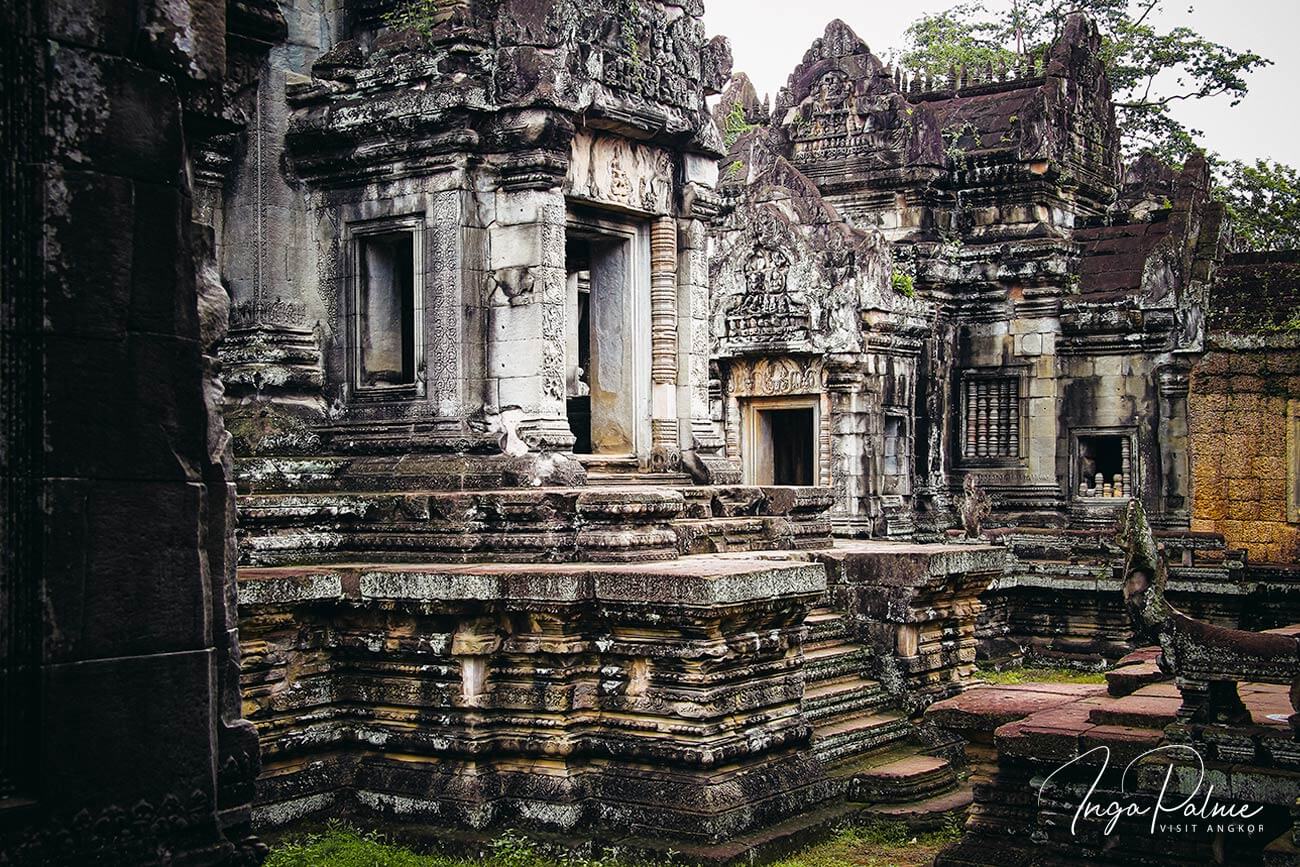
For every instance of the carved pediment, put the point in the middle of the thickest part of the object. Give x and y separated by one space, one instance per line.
766 313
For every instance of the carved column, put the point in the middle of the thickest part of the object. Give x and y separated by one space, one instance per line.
702 438
849 451
1175 446
693 335
666 453
444 310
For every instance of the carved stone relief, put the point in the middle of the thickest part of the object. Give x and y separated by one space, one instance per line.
613 170
444 375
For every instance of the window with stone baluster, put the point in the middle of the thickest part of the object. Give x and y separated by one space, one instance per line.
990 417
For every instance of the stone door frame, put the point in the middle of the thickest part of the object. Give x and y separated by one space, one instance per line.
750 409
592 223
354 232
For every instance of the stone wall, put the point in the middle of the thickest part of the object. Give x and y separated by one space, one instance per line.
1244 402
116 600
657 701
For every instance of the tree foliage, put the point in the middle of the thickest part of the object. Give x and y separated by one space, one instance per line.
1263 202
1150 69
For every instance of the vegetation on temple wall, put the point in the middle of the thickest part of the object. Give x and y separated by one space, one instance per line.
904 284
1150 69
420 16
734 124
1263 202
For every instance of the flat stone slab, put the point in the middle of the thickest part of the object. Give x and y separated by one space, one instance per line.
981 710
1134 671
928 813
906 768
1140 710
1055 734
693 581
906 563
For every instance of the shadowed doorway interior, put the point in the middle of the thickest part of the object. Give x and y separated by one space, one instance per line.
783 443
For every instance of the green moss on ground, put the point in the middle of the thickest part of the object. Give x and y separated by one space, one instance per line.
888 844
1039 675
348 848
876 845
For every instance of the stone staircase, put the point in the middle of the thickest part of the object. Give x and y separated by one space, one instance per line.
626 472
866 745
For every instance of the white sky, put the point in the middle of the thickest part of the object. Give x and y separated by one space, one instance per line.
769 37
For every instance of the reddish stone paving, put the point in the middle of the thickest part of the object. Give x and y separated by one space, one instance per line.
1140 709
1061 721
977 712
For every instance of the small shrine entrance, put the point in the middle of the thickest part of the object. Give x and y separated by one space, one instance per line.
781 441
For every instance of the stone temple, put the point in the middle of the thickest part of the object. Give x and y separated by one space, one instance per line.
514 422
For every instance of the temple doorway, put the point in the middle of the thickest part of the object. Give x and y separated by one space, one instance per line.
608 268
780 445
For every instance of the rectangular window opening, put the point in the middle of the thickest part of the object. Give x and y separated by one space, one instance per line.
895 446
386 310
1105 466
991 417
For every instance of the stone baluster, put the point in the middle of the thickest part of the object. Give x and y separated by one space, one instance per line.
971 420
995 419
663 343
1013 436
982 427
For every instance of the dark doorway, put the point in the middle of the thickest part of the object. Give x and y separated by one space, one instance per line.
578 400
790 433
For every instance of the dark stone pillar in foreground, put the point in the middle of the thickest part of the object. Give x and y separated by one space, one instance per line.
120 737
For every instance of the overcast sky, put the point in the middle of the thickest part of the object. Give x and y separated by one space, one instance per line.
769 37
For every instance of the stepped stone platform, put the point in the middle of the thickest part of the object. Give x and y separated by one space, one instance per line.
695 700
1060 600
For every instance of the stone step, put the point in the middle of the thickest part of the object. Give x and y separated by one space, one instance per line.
826 624
637 479
1138 669
595 523
761 846
1136 711
553 525
839 738
910 778
842 695
929 814
724 535
824 662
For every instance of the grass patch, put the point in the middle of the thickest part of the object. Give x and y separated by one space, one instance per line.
344 847
888 844
1039 675
885 844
